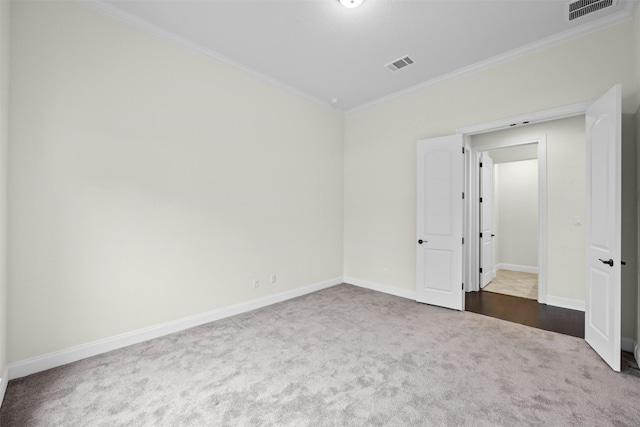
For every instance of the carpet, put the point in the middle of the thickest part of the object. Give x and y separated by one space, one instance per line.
514 283
343 356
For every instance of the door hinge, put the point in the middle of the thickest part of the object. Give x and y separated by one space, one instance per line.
481 235
480 164
480 269
463 240
463 286
463 195
480 199
462 150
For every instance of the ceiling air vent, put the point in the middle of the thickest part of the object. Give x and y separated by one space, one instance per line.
399 63
580 8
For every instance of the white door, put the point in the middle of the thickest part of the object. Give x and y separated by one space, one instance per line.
486 220
602 302
439 222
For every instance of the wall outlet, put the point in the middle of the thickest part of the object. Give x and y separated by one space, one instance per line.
256 283
273 278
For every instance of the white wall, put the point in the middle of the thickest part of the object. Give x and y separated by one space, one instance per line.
516 209
4 141
149 183
380 141
565 198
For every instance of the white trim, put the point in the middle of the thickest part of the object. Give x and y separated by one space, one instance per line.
636 353
515 53
542 221
627 344
535 117
573 304
468 226
4 381
148 27
391 290
73 354
516 267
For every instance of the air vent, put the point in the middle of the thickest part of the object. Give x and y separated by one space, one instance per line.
399 63
578 9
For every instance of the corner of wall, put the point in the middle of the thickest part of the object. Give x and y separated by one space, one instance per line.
637 141
4 141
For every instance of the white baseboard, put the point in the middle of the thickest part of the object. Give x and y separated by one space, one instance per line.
516 267
627 344
573 304
73 354
4 381
636 353
391 290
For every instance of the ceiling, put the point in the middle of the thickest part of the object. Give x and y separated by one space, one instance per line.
322 50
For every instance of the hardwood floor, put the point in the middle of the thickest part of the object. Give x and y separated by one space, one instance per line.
526 312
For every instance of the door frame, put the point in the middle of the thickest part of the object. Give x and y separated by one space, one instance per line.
474 238
470 226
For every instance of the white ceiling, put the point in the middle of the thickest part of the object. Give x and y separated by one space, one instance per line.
323 50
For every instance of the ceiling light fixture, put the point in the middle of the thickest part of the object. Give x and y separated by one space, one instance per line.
351 3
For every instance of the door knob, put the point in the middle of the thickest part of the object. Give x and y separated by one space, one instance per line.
422 241
610 262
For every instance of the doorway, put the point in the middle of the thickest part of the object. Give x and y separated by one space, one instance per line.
520 212
509 218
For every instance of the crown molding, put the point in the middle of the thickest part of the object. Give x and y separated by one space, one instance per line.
143 25
148 27
573 33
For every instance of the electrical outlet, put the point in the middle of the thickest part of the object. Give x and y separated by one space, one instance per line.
256 283
273 278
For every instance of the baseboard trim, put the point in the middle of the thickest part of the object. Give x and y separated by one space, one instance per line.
628 344
636 353
516 267
73 354
573 304
391 290
4 381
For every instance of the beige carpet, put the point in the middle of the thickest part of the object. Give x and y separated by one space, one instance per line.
515 283
344 356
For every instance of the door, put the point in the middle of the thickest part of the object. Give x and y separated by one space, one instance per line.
486 220
439 222
602 300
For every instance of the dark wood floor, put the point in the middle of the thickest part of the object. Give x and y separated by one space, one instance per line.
526 312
